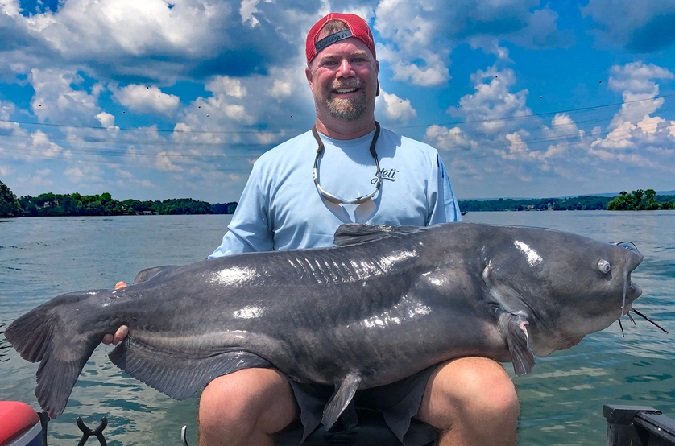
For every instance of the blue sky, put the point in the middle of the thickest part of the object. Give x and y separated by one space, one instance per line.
154 99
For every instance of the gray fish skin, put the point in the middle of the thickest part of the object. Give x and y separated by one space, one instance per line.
383 304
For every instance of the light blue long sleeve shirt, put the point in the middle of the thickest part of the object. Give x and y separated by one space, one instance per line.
280 207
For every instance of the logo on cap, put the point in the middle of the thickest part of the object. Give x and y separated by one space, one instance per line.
355 27
331 39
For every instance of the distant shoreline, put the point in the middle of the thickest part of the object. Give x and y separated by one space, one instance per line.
77 205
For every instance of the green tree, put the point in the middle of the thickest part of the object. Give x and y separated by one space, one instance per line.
638 200
9 204
620 203
649 202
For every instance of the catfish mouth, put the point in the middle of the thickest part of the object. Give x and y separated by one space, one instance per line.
631 290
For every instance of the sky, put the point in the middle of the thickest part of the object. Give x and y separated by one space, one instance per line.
157 99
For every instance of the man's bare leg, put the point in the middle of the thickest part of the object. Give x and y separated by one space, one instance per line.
472 401
245 408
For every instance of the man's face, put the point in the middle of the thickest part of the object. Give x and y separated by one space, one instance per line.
343 80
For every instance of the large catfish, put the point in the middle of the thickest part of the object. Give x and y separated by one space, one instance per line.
384 303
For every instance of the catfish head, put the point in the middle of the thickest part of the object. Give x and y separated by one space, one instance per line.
553 288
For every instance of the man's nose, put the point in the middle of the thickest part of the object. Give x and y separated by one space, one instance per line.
345 69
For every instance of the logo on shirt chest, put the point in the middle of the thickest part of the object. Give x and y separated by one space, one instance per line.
385 174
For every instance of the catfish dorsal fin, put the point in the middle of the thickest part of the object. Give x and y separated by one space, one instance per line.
353 234
340 400
149 273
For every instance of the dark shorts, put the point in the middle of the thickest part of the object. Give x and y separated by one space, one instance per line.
398 402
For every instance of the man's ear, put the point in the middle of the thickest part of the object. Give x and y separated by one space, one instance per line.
308 75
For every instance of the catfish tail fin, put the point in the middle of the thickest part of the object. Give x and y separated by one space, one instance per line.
53 334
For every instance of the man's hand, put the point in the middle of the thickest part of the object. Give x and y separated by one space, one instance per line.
121 332
115 339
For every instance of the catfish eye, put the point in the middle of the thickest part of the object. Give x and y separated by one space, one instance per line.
604 267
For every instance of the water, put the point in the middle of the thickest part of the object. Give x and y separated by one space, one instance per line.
561 400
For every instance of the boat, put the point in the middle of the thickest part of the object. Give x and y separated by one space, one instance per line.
21 425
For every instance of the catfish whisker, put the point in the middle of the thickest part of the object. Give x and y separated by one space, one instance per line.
649 320
621 327
625 289
631 318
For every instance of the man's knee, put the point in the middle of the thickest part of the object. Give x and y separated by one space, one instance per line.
484 385
475 388
246 403
492 391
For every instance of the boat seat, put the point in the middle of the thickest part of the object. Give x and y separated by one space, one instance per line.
371 430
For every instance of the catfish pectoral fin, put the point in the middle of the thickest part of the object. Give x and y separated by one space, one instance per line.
514 328
340 400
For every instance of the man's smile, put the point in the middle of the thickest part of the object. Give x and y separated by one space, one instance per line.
345 90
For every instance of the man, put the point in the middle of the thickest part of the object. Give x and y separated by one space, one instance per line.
293 200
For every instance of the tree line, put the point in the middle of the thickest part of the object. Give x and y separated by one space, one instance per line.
583 203
75 204
637 200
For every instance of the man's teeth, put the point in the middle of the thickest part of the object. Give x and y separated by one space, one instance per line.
345 90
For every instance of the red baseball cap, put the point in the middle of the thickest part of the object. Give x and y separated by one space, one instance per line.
356 27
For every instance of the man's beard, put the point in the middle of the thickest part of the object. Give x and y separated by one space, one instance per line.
347 109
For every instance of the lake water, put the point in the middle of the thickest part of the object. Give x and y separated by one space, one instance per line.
561 400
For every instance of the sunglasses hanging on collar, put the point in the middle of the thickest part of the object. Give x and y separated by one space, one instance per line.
334 198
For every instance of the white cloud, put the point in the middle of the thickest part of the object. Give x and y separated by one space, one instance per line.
155 40
490 45
637 77
421 35
60 97
516 146
106 119
9 7
634 127
449 139
83 172
226 86
562 126
6 125
650 125
218 119
164 161
493 108
144 99
281 89
42 147
395 108
90 26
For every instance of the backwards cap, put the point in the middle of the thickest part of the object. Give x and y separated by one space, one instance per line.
356 27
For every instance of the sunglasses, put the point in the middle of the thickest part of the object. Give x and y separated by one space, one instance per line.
334 198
